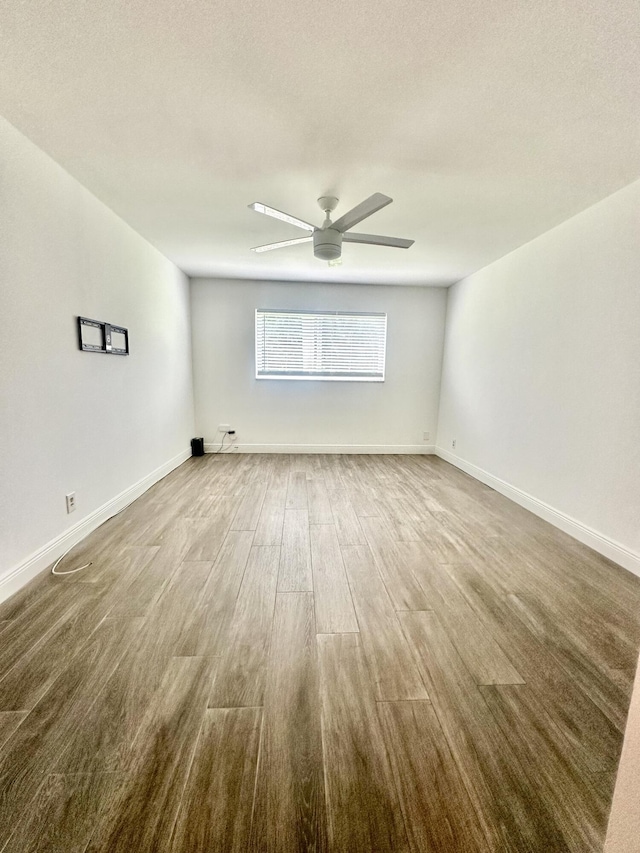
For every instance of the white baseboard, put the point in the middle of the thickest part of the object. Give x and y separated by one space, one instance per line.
587 535
322 448
19 575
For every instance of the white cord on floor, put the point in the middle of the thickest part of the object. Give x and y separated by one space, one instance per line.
71 571
90 563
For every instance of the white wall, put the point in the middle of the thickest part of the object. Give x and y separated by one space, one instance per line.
324 416
541 376
69 420
623 832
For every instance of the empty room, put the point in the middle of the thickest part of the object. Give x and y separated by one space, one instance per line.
319 407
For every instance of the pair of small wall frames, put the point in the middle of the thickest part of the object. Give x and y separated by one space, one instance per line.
95 336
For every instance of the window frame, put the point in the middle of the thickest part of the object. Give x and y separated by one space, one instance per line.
377 341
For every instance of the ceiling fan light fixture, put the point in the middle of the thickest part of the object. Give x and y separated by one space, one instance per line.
327 244
327 240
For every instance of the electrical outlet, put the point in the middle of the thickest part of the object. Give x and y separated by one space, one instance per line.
71 501
453 443
223 427
426 436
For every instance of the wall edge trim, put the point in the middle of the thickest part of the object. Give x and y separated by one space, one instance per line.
609 548
324 448
19 575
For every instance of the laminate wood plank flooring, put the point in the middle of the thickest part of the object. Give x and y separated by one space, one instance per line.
246 518
345 519
317 653
483 656
363 806
241 674
211 617
438 814
444 546
319 504
297 491
122 574
63 814
32 628
271 520
103 738
606 637
9 722
332 471
393 670
590 569
147 582
607 691
400 524
334 607
208 544
492 774
215 814
605 782
33 592
175 540
142 812
363 502
289 809
203 504
590 735
176 613
146 523
295 556
572 798
35 672
50 727
277 471
403 587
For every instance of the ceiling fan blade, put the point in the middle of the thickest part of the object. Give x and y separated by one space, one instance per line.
375 240
269 246
278 214
361 211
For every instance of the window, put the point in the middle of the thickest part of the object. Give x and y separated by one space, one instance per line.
333 345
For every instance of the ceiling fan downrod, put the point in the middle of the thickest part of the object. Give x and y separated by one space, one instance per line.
327 242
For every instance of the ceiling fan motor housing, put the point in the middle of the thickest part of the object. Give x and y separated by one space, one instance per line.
327 244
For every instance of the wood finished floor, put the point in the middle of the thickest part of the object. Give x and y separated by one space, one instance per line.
317 653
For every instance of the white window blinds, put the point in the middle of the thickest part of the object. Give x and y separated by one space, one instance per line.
320 345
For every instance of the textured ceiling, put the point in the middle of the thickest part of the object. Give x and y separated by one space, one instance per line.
487 122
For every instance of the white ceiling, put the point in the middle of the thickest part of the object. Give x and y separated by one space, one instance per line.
487 121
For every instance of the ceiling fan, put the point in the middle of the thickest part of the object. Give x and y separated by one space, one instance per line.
328 239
